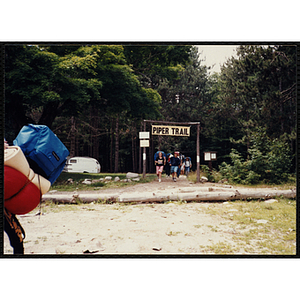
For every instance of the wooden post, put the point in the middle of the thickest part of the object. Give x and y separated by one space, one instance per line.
144 156
150 153
198 152
140 155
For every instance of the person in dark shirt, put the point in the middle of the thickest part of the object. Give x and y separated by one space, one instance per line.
160 162
175 163
167 166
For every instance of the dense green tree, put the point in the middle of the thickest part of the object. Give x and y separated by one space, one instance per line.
122 92
152 63
256 89
45 82
95 98
40 85
269 161
253 88
184 100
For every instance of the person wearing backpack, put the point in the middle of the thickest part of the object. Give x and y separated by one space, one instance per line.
159 163
175 163
187 166
14 231
167 166
181 169
13 228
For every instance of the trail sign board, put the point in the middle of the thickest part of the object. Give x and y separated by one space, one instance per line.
211 155
144 134
144 143
170 130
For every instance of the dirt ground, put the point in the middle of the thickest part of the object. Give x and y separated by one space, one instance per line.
141 228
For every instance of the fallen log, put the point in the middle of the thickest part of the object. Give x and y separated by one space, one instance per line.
207 196
59 198
144 197
264 193
159 196
83 198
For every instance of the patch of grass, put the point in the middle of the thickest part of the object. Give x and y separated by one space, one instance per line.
50 206
282 186
197 226
43 238
171 233
106 201
219 248
178 201
276 236
62 183
187 234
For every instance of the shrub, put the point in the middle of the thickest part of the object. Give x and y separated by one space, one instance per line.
269 160
239 171
204 171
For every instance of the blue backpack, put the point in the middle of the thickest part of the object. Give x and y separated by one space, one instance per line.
156 155
45 153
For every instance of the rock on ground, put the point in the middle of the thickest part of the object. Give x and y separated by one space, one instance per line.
132 175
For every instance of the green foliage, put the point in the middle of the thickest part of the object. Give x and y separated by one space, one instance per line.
269 161
94 97
204 171
237 172
152 63
256 88
62 183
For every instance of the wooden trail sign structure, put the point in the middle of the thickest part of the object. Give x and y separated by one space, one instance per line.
173 129
170 130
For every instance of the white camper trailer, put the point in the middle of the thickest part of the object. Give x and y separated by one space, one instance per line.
82 165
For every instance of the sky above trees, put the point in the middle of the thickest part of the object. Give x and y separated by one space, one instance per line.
216 55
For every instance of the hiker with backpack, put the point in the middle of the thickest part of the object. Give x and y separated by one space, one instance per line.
181 169
187 166
175 163
31 166
13 228
160 163
167 166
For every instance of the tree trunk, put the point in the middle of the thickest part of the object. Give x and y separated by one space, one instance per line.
151 155
94 123
117 146
133 147
90 144
111 146
50 111
73 137
140 154
17 112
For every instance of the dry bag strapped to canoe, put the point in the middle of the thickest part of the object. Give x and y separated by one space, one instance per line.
46 154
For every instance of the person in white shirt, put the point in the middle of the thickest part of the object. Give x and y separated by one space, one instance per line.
187 166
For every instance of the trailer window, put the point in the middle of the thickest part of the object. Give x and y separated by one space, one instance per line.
73 161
